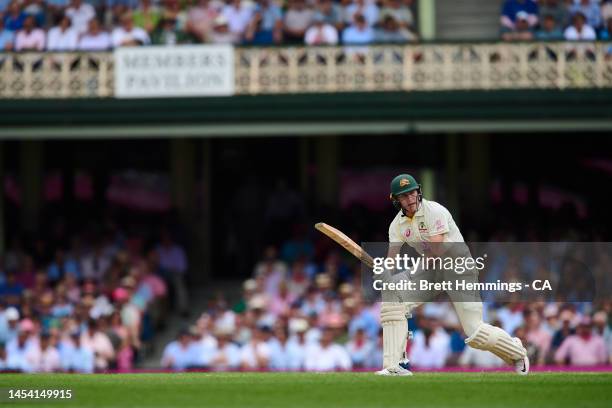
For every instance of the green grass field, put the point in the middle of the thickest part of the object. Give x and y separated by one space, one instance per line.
319 390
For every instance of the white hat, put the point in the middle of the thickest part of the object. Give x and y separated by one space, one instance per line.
11 314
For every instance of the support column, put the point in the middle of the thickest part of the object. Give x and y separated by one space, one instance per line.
31 166
452 174
427 19
327 170
182 165
478 173
2 223
304 163
204 233
428 184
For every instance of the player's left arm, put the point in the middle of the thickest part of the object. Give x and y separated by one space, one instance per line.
437 249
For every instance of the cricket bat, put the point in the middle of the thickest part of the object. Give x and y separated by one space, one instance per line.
346 242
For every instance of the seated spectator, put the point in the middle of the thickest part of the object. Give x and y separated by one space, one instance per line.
521 31
76 358
7 38
36 9
256 353
9 328
606 10
237 16
146 16
430 346
80 13
359 32
200 18
227 354
510 10
331 12
99 343
44 356
557 9
172 10
30 38
95 39
63 264
14 17
360 348
127 35
326 355
591 11
180 354
368 10
583 348
549 30
601 328
3 358
167 34
606 32
401 14
391 31
56 8
221 33
62 37
321 32
297 20
579 30
266 25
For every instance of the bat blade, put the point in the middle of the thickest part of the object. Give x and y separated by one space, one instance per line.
348 244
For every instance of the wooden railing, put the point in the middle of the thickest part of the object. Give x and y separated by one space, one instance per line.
423 67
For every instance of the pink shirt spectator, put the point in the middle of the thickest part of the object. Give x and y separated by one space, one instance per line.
34 40
582 351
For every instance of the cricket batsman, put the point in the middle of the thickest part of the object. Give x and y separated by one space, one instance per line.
421 223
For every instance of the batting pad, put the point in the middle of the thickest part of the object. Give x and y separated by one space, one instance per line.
498 342
395 332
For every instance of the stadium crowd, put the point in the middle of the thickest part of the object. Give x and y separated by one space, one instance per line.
554 20
85 302
304 310
94 25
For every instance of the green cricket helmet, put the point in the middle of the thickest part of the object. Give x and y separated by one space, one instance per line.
404 183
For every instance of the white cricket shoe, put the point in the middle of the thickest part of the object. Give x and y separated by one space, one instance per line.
521 366
394 371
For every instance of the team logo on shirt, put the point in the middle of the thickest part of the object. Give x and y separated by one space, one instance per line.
439 225
422 227
408 233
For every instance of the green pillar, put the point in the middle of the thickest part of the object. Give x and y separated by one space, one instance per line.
427 19
2 232
182 165
31 171
204 232
327 152
452 174
303 163
428 184
478 168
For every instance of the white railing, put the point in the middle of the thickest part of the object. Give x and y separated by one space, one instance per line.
427 67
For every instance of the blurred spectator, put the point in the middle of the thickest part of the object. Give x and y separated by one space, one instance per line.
430 346
200 18
511 10
601 328
537 336
368 10
94 39
549 30
36 9
521 30
606 32
30 38
579 30
557 9
360 348
56 8
358 33
391 32
166 33
226 355
9 320
80 13
181 353
583 348
606 10
62 37
3 358
44 357
75 356
401 14
238 16
331 13
266 25
127 35
99 343
172 10
14 17
256 353
147 16
173 264
326 355
62 265
221 33
321 32
590 10
298 18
